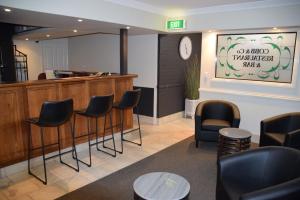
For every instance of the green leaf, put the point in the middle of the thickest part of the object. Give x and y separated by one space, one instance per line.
280 37
232 46
287 65
239 38
267 37
231 67
223 48
275 46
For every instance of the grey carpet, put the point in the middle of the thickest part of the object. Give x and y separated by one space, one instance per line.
198 166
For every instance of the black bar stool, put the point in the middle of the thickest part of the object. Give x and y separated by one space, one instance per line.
129 100
53 114
98 106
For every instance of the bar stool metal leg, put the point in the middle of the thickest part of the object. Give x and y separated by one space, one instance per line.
74 147
59 150
103 138
43 152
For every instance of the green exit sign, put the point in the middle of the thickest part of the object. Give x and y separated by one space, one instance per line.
176 24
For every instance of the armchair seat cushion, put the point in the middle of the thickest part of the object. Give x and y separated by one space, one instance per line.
278 137
215 124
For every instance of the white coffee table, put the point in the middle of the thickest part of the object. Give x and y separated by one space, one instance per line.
161 186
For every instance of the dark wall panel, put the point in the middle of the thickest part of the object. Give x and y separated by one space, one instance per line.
146 101
171 72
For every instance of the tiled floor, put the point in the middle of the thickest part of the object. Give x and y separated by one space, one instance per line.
62 179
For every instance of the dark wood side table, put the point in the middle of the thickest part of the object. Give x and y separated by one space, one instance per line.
233 140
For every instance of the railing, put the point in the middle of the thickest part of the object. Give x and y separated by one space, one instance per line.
20 65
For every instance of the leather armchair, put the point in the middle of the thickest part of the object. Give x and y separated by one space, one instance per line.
266 173
281 130
213 115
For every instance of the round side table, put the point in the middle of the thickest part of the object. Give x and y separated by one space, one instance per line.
161 186
233 140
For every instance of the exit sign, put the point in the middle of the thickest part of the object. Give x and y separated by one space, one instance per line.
176 24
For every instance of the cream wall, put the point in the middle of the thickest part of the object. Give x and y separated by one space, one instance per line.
256 100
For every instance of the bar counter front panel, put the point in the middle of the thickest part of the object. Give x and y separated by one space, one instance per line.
20 101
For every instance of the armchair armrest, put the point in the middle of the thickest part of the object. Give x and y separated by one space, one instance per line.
292 138
289 190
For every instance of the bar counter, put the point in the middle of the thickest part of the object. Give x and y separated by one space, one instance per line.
20 101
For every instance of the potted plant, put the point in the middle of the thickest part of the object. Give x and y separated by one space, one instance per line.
192 84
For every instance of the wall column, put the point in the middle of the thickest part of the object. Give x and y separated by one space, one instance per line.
123 51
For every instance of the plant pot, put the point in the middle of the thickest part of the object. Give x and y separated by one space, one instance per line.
190 107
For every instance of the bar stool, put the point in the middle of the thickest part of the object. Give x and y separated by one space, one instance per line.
52 114
129 100
98 106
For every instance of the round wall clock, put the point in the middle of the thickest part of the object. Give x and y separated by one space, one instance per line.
185 47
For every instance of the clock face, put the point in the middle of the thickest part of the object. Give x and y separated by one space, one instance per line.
185 48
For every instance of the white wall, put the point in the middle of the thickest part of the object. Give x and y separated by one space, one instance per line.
48 54
143 60
99 52
256 100
55 54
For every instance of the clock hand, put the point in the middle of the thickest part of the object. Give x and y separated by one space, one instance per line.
186 49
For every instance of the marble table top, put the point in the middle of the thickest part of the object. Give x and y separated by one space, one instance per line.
161 186
235 133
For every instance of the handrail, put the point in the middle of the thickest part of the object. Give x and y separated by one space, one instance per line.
15 48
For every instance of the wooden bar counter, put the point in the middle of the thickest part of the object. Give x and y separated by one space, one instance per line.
20 101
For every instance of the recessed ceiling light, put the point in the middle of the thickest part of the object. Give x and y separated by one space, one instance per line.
26 39
47 35
209 31
127 27
274 28
75 31
79 20
7 10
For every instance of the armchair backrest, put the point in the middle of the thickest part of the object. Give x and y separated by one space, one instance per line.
294 123
281 164
283 123
217 110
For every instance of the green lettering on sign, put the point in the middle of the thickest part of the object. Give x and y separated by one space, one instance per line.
176 24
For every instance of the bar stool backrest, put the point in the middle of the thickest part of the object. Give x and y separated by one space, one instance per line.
130 99
99 105
55 113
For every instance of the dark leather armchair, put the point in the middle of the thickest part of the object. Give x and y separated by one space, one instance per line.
281 130
213 115
266 173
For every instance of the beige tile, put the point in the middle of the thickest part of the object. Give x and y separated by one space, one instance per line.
20 188
62 179
48 192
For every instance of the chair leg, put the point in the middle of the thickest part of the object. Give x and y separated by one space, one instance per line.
139 129
89 143
103 141
29 149
74 145
138 118
197 143
44 160
43 151
59 149
112 134
73 149
122 130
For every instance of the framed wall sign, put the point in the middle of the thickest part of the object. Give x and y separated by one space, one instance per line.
258 57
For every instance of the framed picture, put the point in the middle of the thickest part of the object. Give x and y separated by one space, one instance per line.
258 57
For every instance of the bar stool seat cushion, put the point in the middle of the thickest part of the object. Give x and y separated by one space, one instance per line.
215 124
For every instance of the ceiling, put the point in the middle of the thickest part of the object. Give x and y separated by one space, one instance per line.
58 26
191 4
